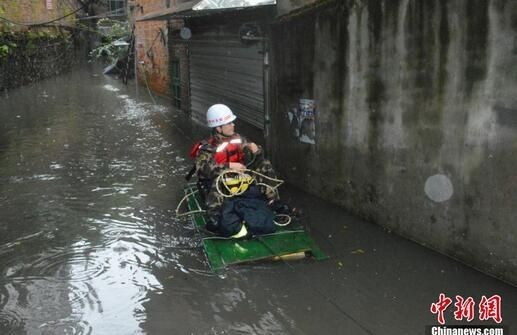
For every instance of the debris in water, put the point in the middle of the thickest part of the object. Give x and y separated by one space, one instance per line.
358 251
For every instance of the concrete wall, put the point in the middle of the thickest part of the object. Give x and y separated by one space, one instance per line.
416 118
285 6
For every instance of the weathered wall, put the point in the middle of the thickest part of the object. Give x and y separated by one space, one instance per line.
286 6
416 118
29 11
152 51
34 58
29 53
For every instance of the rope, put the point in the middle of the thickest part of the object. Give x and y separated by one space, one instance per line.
148 89
178 214
283 224
242 175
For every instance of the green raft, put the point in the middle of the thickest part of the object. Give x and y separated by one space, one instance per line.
287 242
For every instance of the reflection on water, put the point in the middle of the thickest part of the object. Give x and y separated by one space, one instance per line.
84 174
90 176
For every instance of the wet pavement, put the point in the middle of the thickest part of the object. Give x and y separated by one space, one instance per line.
90 175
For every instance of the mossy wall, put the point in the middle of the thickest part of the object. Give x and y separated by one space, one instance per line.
416 118
31 50
34 56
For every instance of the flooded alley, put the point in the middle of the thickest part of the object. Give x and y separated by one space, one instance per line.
90 176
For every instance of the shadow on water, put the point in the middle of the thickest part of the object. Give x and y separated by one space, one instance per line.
90 175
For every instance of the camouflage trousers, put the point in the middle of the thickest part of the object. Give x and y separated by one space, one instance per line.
214 199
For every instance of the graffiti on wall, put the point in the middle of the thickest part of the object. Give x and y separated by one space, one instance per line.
302 121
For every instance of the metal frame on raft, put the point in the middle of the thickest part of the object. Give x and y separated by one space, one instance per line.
286 243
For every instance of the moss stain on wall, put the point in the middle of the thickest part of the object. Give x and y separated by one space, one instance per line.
429 74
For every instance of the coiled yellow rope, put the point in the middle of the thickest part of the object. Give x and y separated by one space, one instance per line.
243 178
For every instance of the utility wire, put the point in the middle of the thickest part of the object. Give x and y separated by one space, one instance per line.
116 13
30 24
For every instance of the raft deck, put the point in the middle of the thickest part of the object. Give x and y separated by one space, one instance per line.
220 251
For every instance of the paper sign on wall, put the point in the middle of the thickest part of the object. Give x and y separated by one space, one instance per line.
302 119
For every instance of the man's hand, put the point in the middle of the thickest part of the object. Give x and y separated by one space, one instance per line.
237 166
253 147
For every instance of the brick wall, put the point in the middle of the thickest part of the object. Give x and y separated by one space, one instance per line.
152 50
25 11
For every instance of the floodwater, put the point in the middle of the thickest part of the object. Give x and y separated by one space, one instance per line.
90 176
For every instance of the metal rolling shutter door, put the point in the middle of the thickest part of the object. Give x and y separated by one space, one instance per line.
227 72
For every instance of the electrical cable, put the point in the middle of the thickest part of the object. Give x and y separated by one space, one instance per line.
33 24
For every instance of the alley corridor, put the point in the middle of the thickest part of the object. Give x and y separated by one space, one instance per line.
90 176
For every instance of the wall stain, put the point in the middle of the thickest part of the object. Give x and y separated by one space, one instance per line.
476 42
444 49
384 184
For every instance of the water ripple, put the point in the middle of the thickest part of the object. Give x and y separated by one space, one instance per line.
66 326
58 267
11 322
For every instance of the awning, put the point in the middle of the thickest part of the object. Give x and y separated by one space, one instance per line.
170 13
204 7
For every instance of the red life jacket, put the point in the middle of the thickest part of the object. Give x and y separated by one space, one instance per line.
228 150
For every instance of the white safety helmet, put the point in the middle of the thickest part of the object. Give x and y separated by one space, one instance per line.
218 115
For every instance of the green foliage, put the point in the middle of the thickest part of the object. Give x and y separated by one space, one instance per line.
111 31
6 48
108 53
115 29
28 41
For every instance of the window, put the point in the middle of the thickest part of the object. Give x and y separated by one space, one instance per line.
117 6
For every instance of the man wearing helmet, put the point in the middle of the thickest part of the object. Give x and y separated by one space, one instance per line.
226 149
